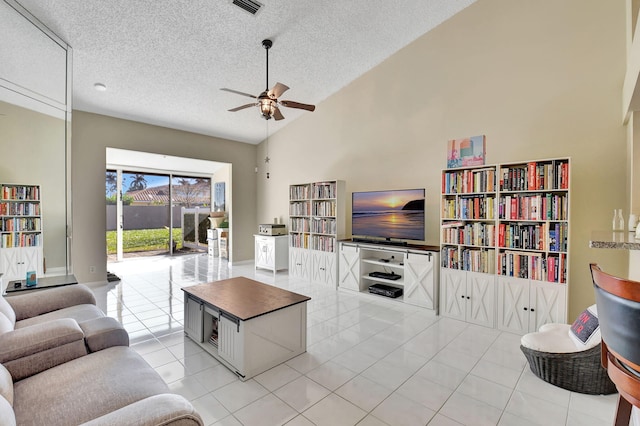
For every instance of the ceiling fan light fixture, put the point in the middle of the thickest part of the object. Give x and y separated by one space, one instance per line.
267 108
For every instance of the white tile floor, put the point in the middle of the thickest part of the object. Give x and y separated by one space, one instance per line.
369 361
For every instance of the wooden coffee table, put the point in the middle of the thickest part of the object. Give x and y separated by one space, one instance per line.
247 325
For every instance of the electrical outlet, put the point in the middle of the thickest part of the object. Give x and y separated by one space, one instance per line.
92 269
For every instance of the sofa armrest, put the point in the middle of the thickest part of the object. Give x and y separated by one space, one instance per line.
102 333
164 409
34 303
31 350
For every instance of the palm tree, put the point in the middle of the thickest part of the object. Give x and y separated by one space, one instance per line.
111 181
138 182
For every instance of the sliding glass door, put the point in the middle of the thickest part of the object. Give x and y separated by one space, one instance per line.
155 214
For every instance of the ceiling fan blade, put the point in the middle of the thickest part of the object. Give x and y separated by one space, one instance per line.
277 114
277 90
238 93
242 107
292 104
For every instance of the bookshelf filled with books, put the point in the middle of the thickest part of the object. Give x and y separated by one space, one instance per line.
316 223
510 221
20 230
468 252
533 244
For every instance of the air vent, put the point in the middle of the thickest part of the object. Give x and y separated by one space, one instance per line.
248 5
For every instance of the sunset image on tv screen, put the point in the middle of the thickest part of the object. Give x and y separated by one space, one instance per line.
397 214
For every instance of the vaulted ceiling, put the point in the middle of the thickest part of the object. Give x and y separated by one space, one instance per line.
163 62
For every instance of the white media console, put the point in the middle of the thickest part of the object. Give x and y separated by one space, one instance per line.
416 266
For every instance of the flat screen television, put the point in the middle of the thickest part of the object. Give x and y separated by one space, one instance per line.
392 215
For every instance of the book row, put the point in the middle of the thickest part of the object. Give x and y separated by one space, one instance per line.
535 207
21 240
324 190
476 234
299 192
323 243
324 226
535 176
17 224
11 192
299 224
535 266
478 207
467 259
469 181
299 240
299 208
324 208
543 236
19 209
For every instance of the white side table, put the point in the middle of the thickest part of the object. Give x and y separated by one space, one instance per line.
272 252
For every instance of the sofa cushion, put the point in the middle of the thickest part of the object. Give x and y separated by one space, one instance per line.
553 338
5 324
163 409
6 385
102 381
7 415
7 310
33 303
79 313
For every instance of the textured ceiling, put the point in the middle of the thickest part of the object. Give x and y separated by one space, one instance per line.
163 62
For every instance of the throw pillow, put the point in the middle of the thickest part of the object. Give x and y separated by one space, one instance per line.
585 330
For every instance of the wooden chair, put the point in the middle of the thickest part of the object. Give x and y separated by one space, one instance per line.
618 302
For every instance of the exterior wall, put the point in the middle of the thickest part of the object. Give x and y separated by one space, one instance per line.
143 217
540 79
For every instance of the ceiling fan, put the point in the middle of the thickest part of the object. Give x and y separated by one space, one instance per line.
268 101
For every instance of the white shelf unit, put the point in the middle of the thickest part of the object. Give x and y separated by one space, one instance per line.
316 224
468 252
417 267
533 244
271 252
510 223
20 231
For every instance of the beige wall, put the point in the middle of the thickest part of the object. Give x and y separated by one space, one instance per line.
32 149
540 79
92 134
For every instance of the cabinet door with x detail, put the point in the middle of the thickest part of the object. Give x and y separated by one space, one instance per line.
349 267
419 279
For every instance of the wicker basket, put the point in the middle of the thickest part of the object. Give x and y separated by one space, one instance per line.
576 371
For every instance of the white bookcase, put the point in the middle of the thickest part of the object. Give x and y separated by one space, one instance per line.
510 224
20 231
316 224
